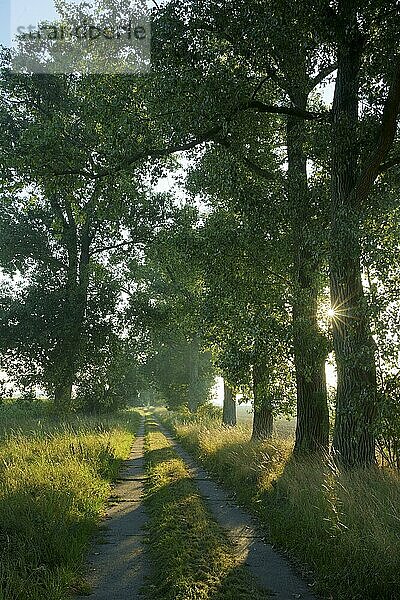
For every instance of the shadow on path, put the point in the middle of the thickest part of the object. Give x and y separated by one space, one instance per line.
271 569
117 565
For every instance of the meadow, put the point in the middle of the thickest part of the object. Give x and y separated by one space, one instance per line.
55 478
341 529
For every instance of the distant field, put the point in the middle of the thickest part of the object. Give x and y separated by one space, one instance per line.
284 428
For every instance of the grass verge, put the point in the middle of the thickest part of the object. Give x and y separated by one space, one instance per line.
54 482
344 526
191 556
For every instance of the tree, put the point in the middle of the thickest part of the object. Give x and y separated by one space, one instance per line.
352 180
380 260
164 286
229 407
363 40
68 224
270 66
246 319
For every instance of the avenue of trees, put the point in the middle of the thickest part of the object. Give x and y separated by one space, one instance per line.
278 246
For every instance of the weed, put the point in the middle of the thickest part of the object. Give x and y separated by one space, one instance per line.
54 482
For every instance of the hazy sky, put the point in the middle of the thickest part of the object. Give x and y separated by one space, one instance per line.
14 13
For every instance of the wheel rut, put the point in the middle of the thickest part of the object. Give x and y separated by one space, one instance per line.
117 567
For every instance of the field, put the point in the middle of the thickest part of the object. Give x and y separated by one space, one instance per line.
284 428
342 529
55 477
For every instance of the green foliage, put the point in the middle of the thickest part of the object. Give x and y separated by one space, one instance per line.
111 381
245 306
170 371
165 305
388 425
381 265
64 232
3 390
208 412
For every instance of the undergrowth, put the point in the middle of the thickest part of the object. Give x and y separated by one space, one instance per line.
191 556
343 528
54 481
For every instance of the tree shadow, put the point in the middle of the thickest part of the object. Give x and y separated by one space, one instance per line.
192 555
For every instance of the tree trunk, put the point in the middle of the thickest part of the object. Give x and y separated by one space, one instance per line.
229 409
263 421
193 391
310 347
62 397
66 356
354 440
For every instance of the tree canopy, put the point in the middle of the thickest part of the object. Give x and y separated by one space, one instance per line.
118 283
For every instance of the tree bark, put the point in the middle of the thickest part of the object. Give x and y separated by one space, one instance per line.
193 391
66 355
63 396
229 408
309 345
263 421
356 402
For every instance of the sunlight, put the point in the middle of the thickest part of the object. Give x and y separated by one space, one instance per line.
339 312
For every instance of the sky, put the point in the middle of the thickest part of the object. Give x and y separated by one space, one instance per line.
14 13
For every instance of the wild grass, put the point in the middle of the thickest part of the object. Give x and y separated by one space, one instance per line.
191 556
342 529
54 481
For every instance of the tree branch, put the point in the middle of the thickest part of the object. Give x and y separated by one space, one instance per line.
57 211
254 167
373 165
208 136
271 73
258 87
322 75
114 247
145 154
393 162
292 111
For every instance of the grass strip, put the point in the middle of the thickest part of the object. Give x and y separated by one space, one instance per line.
54 482
344 526
192 558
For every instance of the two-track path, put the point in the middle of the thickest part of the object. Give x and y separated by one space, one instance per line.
117 569
273 571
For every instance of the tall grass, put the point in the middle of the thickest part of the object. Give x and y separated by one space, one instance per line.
54 481
342 528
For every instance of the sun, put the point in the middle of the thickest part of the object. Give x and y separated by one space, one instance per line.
331 313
